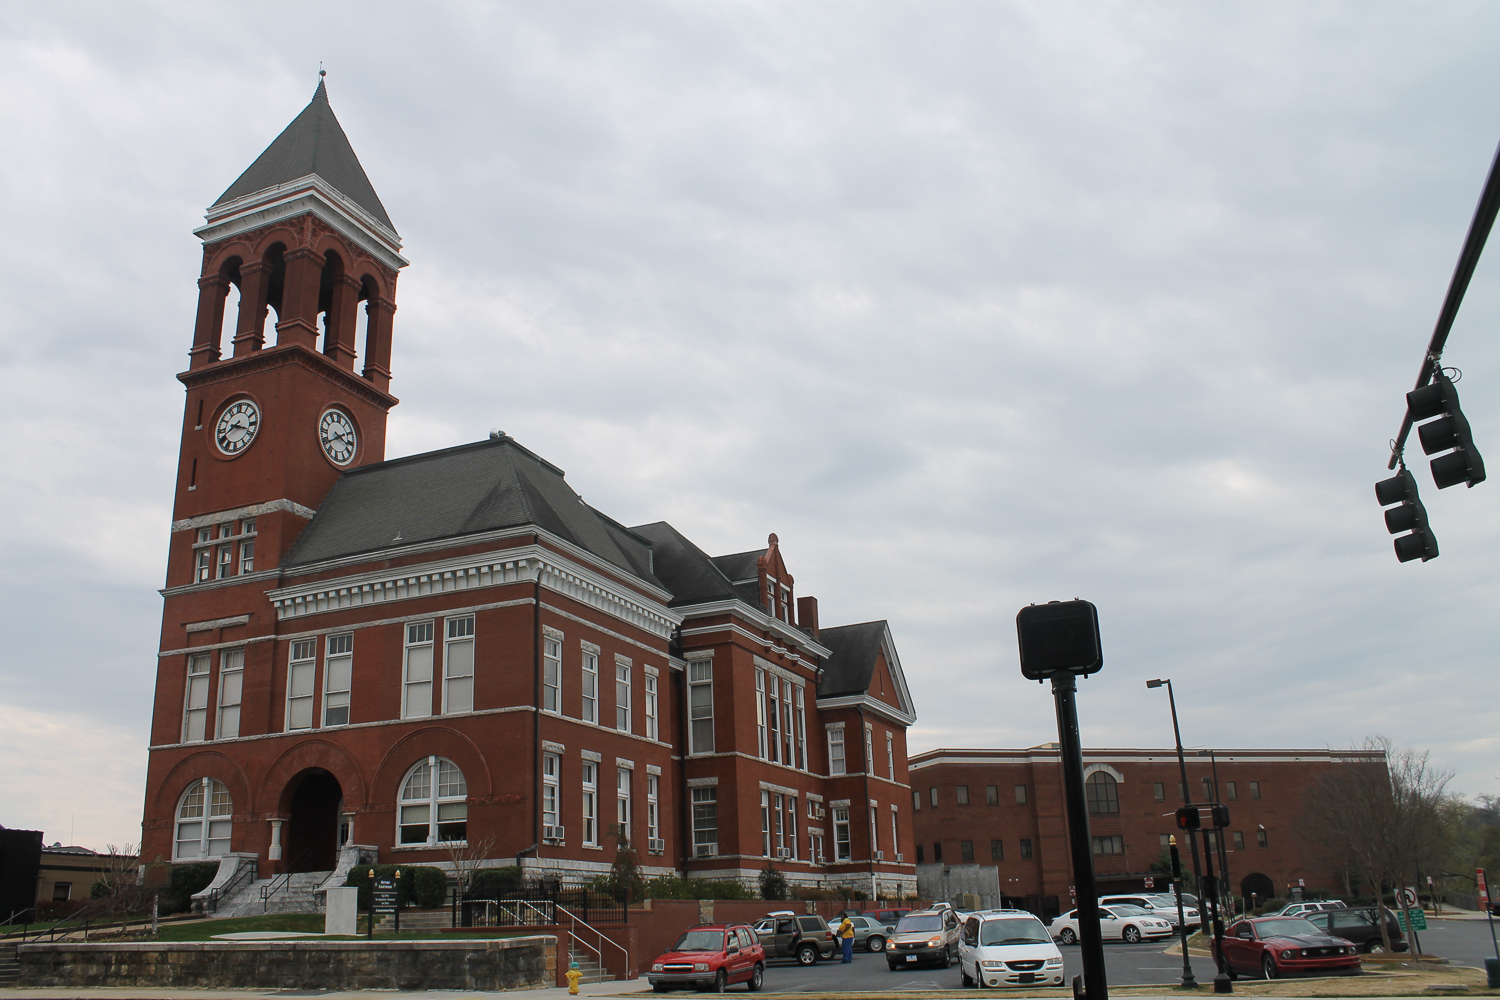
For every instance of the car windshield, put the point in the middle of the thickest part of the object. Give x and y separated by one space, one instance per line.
700 941
1164 902
919 922
1129 910
1285 927
1014 930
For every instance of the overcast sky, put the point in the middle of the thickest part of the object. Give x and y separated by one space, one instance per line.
973 304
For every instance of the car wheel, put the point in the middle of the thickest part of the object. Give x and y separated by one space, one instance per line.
875 943
963 974
807 955
1067 936
720 983
1374 946
1131 934
757 978
1268 967
945 960
892 966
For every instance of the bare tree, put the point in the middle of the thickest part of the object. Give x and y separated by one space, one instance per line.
118 891
1381 817
466 857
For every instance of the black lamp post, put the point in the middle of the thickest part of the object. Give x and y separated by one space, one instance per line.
1186 800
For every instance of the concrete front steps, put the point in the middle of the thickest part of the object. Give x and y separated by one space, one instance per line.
294 894
10 969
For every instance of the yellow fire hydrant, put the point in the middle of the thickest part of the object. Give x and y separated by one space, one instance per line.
573 975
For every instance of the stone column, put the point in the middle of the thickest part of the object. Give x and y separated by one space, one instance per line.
212 291
249 333
274 854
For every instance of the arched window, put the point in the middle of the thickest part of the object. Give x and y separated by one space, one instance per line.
434 807
1103 796
204 821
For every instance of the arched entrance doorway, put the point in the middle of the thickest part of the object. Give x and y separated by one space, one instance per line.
1256 888
313 805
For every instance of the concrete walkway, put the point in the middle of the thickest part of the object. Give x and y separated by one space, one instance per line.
588 990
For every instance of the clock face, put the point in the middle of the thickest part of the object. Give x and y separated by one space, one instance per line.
337 435
237 426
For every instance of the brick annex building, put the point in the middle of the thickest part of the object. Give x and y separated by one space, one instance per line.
994 822
453 647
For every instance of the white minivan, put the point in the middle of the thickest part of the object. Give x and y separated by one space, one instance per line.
1008 948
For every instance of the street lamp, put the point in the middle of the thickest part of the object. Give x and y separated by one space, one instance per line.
1188 979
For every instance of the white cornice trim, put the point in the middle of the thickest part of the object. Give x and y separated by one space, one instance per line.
264 576
880 708
521 564
305 194
237 513
750 612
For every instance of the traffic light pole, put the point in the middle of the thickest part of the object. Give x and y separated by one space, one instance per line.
1211 893
1090 941
1189 982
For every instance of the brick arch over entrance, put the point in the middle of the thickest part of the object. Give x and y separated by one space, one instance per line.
277 787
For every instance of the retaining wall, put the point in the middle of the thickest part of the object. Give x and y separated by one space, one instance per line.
500 964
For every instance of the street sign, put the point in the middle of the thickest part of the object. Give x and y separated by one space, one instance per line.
1484 892
1408 897
1411 920
385 895
1150 883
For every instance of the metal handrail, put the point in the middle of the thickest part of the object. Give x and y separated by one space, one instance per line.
245 874
598 955
281 881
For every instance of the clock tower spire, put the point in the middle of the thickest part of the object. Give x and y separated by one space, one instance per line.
274 417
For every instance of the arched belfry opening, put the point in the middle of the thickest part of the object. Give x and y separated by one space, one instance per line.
313 803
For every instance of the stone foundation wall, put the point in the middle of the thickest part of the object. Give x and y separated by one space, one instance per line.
500 964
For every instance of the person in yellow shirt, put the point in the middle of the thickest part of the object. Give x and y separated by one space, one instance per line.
846 934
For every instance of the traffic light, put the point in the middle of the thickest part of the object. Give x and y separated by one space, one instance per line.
1450 431
1209 817
1410 516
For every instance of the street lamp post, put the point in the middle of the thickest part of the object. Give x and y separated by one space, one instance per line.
1186 800
1223 851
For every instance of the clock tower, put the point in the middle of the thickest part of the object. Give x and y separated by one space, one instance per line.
274 417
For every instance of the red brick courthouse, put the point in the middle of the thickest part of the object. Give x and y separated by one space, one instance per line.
994 822
362 657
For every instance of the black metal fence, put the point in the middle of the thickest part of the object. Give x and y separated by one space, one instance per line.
536 905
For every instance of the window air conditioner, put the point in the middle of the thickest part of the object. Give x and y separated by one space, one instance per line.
783 852
879 855
552 833
822 812
820 858
656 846
705 850
900 857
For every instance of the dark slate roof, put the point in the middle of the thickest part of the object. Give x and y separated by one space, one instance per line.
314 143
851 666
740 565
686 570
473 488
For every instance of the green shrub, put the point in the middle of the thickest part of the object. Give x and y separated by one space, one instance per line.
421 885
504 879
772 883
673 887
182 883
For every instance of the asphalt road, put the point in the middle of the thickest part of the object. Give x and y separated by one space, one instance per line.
1462 942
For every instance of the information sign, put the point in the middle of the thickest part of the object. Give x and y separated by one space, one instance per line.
1412 919
1150 883
385 895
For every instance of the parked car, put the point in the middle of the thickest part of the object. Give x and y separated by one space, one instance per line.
1308 906
869 934
924 936
710 958
805 937
1117 922
1281 946
889 917
1166 905
1159 906
1007 948
1360 925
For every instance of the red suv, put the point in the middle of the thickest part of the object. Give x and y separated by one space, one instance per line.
711 957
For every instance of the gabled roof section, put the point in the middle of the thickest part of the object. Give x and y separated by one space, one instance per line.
687 571
740 565
857 649
468 490
314 143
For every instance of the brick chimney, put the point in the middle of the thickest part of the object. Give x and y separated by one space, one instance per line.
807 615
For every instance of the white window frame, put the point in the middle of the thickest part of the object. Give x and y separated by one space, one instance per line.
843 849
551 769
212 812
700 693
622 801
458 645
195 697
791 824
777 809
247 547
788 738
231 693
765 823
416 679
589 686
801 729
705 805
589 784
895 831
890 753
622 694
874 830
551 674
652 729
869 749
653 803
446 801
338 677
837 762
773 712
760 714
204 562
301 683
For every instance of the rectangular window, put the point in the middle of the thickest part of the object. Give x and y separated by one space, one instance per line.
890 755
338 675
226 561
1208 791
590 803
416 695
842 850
869 750
552 674
300 674
966 850
874 831
895 832
1231 790
651 727
550 765
195 706
701 708
789 752
997 850
205 558
653 815
1239 840
231 692
761 747
458 666
992 795
801 731
1255 789
773 715
622 697
765 823
920 859
1159 791
836 751
937 852
1109 845
590 686
1025 848
705 822
62 891
778 810
1260 838
932 796
622 800
791 825
1165 841
961 793
916 801
1020 795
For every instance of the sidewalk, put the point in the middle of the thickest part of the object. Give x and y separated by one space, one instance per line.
556 993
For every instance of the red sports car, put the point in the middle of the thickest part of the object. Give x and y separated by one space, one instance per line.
1284 946
711 957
